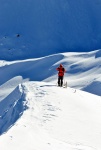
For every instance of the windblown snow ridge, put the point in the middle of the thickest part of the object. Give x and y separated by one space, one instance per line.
11 108
57 118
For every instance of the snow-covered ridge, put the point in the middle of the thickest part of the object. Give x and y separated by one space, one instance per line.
55 118
83 70
33 108
11 108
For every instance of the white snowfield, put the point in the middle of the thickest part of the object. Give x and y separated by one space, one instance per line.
51 118
35 114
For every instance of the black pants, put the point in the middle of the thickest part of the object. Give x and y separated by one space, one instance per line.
60 80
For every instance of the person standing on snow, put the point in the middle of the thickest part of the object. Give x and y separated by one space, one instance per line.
61 70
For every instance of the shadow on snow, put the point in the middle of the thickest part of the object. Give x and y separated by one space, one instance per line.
11 109
35 70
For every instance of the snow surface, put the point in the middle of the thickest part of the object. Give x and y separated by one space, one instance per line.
55 118
83 70
35 114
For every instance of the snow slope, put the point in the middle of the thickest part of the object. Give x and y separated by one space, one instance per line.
30 28
83 70
50 118
35 114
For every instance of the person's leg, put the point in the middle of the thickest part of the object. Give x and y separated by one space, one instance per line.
58 81
61 84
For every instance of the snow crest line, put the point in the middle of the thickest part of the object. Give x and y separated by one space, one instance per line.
11 108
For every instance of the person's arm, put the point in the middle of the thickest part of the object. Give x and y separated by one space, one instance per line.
64 70
57 69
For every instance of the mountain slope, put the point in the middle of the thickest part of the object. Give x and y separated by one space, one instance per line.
56 118
31 28
83 70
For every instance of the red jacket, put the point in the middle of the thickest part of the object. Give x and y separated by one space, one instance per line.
61 71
